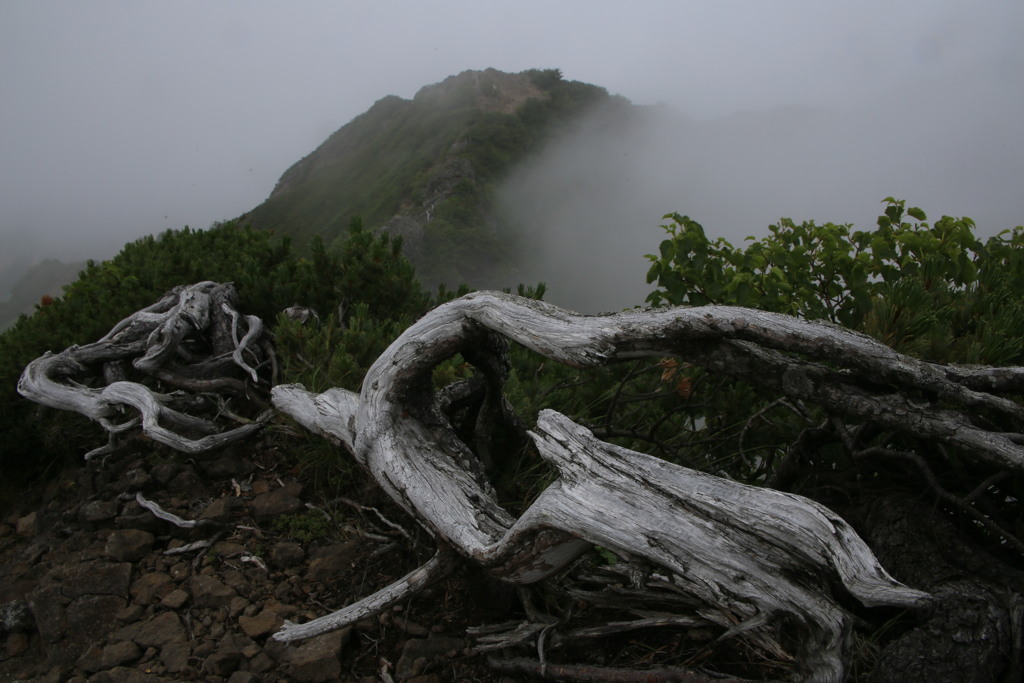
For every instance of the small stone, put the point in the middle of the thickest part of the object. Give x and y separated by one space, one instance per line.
207 591
165 472
286 554
87 624
187 482
222 662
175 657
121 674
119 653
261 663
269 506
260 625
16 616
48 609
91 660
129 545
157 631
318 659
97 578
175 599
243 677
279 608
136 479
151 587
16 644
98 510
27 525
130 613
237 605
223 509
330 561
228 466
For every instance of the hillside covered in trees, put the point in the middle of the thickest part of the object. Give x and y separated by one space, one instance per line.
427 170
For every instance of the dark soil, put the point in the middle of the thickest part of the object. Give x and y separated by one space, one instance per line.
92 590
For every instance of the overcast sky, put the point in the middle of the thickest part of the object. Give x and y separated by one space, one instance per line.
124 118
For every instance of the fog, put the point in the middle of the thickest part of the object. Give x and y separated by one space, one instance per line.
592 204
122 118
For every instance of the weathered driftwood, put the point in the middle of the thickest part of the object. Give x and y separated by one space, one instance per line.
755 557
192 340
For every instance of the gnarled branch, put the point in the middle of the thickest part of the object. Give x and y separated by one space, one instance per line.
195 323
752 554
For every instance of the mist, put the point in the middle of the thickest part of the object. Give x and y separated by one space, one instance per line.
121 119
590 205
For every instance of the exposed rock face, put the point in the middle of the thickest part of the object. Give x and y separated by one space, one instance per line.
95 588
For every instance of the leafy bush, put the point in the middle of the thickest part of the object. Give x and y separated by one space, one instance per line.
366 290
935 291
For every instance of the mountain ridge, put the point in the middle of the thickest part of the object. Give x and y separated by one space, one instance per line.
426 169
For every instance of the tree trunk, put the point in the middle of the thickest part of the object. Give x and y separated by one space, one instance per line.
194 340
764 560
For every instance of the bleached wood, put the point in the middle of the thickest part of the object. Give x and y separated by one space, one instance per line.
151 339
750 553
174 519
439 566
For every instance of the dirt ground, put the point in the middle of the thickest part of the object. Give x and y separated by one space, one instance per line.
96 587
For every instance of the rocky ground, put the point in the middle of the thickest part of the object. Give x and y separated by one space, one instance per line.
95 587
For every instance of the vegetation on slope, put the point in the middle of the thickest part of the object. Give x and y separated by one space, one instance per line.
427 168
366 286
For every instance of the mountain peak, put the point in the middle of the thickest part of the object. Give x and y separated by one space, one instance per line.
426 169
491 90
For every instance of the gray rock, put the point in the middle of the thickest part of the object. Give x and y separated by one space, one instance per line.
243 677
88 623
98 510
228 466
97 578
286 554
261 624
187 482
175 599
27 525
161 629
122 652
223 662
48 608
92 660
136 479
318 659
151 587
174 657
330 561
121 674
129 545
165 472
16 617
223 509
16 644
208 591
269 506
